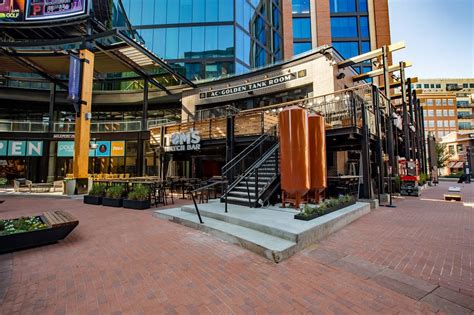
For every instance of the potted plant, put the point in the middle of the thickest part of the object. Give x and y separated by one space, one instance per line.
325 207
113 196
138 198
95 194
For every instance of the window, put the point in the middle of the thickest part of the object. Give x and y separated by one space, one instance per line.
465 85
432 86
452 123
445 112
451 112
450 102
362 5
429 102
471 85
446 123
418 86
347 49
438 86
299 48
300 6
365 47
438 102
444 102
302 28
431 123
439 113
430 113
459 148
338 6
439 123
364 26
451 150
343 27
426 86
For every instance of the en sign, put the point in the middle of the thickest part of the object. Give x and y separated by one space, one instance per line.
21 148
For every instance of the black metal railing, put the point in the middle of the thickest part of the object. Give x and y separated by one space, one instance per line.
223 184
240 163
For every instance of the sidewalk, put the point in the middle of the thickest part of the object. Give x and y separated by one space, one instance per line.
415 258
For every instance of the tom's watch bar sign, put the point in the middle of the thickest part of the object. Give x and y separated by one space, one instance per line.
183 141
252 86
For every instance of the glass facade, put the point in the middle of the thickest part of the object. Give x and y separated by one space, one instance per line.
350 29
301 26
210 38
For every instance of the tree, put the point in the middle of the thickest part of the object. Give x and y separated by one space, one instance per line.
442 155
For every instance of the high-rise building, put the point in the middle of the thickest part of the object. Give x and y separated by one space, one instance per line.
353 27
447 105
210 38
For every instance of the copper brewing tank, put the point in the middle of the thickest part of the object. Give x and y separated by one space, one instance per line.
317 152
294 151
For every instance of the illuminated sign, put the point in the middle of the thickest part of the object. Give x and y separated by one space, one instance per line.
104 149
249 87
21 148
117 148
183 141
12 10
54 9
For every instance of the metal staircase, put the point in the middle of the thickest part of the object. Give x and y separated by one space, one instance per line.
254 174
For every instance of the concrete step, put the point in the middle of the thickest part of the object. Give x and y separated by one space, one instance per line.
254 225
242 194
241 200
271 247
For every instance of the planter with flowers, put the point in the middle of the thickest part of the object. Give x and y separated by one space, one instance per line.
114 196
96 194
325 207
138 198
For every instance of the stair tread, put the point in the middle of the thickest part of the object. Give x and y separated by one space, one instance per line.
264 240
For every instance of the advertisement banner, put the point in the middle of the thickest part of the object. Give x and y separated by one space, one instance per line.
117 148
34 148
12 10
65 149
54 9
74 86
103 149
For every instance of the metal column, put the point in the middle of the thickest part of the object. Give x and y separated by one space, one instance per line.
406 129
52 100
379 144
390 142
366 191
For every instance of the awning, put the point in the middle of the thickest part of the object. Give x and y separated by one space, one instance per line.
115 52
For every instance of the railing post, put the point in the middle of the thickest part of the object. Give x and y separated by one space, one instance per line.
197 210
256 184
225 198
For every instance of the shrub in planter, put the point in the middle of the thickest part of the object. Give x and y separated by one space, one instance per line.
113 196
325 207
95 194
138 198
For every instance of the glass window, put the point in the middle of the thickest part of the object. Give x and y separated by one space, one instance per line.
185 41
210 40
148 10
451 112
171 43
418 86
276 17
338 6
185 11
172 12
343 27
446 123
430 113
159 40
240 68
364 26
426 86
347 49
471 85
226 10
135 13
431 123
365 47
199 13
439 113
300 6
299 48
438 86
194 71
445 112
212 10
465 85
429 102
226 40
362 5
438 102
301 28
366 69
451 102
161 17
439 123
198 42
459 148
444 102
452 123
432 86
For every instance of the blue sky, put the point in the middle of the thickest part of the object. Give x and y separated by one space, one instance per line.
439 35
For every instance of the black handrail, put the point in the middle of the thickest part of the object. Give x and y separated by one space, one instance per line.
221 182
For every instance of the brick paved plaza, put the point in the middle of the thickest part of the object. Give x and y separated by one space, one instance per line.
415 258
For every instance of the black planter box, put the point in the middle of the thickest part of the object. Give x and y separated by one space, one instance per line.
92 200
136 204
50 235
316 215
112 202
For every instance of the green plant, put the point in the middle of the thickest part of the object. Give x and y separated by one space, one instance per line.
115 191
423 179
98 190
139 192
325 206
23 224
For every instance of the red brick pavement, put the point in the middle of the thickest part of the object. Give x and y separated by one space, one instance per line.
125 261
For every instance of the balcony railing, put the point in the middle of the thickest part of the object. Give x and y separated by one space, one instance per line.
68 127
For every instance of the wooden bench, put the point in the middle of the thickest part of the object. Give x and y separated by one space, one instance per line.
59 218
452 197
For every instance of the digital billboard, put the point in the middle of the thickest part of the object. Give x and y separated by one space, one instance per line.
12 10
53 9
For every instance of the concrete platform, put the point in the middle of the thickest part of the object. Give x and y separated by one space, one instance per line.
271 232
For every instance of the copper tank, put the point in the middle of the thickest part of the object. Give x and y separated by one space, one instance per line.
294 151
317 152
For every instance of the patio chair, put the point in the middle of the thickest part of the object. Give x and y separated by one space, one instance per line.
22 185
